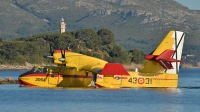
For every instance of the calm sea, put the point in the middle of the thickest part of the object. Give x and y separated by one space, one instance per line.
185 98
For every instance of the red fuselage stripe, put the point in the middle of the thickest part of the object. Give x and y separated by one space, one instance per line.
26 83
56 75
163 79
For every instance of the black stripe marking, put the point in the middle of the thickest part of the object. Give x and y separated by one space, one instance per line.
176 47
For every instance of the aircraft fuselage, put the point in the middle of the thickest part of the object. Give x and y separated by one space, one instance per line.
137 80
56 77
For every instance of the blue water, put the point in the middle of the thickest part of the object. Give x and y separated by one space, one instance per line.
11 73
182 99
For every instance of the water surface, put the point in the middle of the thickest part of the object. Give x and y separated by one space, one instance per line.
182 99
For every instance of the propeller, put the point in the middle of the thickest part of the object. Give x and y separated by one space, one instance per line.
51 53
62 59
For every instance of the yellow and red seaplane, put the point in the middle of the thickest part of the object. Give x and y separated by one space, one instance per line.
160 70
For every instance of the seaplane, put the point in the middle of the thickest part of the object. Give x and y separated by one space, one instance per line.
77 70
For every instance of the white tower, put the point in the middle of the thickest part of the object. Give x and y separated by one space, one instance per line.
62 26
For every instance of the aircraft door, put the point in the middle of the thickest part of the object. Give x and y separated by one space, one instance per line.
117 80
52 78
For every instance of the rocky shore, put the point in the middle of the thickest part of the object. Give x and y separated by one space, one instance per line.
27 66
8 80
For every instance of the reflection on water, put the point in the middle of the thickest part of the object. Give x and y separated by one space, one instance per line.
190 87
166 90
182 99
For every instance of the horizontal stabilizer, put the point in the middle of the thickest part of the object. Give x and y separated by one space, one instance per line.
114 69
173 60
164 59
165 55
165 64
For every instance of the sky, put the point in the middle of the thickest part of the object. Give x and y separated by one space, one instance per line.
191 4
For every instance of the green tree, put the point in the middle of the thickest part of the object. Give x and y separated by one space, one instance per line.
106 35
33 49
66 41
137 56
90 38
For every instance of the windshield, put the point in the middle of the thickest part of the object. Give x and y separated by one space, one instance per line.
38 70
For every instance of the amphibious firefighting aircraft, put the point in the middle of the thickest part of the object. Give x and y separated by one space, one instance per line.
160 70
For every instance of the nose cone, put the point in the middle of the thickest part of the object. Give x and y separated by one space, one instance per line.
22 78
20 81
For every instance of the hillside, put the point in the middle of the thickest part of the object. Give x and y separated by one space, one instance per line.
35 49
138 24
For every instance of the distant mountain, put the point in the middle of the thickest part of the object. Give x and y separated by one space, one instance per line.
138 24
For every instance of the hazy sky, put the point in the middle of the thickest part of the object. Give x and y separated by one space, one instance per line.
191 4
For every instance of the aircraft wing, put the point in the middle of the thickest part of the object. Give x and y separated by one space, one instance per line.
97 69
71 65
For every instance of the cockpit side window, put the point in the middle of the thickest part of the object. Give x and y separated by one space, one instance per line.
44 70
39 70
33 69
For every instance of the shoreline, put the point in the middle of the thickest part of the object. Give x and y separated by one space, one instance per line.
27 66
12 69
8 80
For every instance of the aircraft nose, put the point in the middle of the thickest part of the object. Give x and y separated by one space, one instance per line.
20 82
20 79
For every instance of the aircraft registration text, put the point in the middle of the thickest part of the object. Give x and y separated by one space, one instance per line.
40 79
140 80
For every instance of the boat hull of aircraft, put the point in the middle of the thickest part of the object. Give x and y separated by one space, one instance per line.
65 78
137 80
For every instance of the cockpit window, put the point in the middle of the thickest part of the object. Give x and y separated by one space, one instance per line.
33 69
44 70
38 70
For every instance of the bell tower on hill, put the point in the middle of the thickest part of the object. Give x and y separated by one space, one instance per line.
62 26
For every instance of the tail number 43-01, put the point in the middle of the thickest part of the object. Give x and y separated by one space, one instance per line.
140 80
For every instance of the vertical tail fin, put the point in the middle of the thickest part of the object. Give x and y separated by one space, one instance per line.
177 47
167 56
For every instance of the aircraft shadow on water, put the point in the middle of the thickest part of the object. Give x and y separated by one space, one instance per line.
77 70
